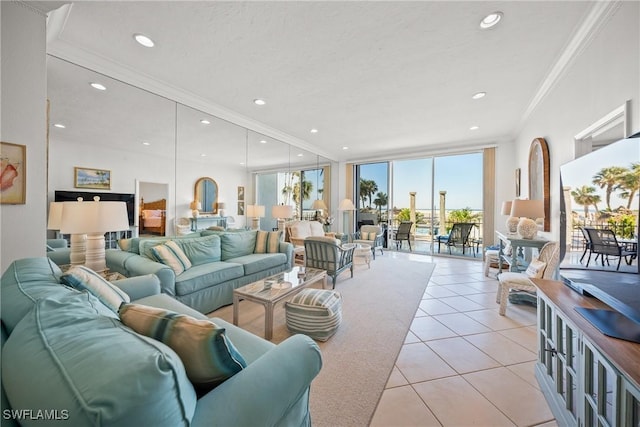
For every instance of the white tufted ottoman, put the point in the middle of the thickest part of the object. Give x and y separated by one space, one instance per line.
314 312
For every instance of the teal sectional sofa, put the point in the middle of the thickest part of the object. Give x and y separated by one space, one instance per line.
221 261
67 359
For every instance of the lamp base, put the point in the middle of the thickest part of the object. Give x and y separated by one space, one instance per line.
195 213
527 228
512 224
255 223
78 248
95 258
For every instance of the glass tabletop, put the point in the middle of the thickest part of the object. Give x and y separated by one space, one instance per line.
275 286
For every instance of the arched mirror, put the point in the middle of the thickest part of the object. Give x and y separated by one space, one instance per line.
206 192
539 177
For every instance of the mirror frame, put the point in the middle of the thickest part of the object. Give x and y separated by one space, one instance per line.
196 194
539 177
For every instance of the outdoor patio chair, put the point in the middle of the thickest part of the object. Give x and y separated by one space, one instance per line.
459 235
605 244
403 233
587 244
326 253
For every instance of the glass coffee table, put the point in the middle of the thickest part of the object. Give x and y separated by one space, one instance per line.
273 289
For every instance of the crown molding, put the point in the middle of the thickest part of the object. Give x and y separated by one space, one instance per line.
598 15
62 49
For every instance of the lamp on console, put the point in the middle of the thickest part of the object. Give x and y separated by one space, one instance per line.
512 221
255 212
94 219
78 242
195 207
221 207
345 206
528 211
282 213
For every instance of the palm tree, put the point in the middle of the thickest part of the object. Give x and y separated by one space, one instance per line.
381 200
586 196
307 189
367 189
630 183
608 178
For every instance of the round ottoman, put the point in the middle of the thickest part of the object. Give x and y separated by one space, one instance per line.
314 312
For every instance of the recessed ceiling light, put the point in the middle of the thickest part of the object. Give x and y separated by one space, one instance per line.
300 155
263 141
479 95
345 148
241 163
314 130
490 20
474 128
146 143
59 125
98 86
259 101
144 40
205 122
203 155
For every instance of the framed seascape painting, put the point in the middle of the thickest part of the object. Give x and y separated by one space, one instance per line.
99 179
13 175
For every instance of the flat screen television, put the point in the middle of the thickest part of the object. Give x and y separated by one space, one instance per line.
599 190
72 196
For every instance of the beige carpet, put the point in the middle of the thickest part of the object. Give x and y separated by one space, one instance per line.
378 307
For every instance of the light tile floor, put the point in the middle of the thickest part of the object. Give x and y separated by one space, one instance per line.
462 363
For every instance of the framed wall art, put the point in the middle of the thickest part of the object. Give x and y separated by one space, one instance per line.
240 208
240 194
13 175
99 179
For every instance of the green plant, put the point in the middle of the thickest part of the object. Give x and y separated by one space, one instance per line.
463 215
623 224
405 215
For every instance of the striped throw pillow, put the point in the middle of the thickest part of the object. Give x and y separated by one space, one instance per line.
267 242
85 279
208 356
169 253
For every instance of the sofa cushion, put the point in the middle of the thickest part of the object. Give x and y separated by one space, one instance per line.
93 366
206 275
23 283
85 279
237 244
171 254
201 250
267 242
255 263
208 355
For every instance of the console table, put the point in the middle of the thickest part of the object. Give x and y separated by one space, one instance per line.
517 260
216 220
588 378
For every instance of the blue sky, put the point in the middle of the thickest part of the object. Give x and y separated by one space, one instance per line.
460 176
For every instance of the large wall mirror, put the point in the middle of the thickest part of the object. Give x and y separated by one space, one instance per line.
539 177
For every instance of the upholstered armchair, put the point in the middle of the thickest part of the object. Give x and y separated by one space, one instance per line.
326 253
370 235
297 231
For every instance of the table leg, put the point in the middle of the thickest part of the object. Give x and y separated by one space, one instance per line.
236 304
514 258
268 321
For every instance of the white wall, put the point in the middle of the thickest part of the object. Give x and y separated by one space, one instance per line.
602 78
23 107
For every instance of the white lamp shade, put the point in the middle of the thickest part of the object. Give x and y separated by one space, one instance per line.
255 211
319 204
93 217
55 216
282 211
346 205
506 208
220 205
195 206
527 208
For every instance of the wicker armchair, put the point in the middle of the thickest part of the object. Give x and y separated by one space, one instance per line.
327 254
370 235
549 254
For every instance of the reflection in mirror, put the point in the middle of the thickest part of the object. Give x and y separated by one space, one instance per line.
206 193
209 147
124 129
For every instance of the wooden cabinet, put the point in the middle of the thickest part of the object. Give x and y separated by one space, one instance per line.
588 379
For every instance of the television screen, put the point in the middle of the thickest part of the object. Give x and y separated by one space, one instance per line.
72 196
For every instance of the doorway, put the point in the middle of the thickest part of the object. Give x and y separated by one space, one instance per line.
152 201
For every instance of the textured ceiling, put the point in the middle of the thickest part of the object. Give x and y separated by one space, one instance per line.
383 78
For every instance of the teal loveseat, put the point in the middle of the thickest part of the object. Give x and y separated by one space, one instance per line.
68 360
222 261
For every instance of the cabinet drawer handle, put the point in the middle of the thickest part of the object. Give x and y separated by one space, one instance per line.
553 351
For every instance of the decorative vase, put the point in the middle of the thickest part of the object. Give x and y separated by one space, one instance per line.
512 224
527 228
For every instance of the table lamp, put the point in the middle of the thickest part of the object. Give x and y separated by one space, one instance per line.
196 207
94 219
78 242
282 213
512 221
527 211
255 212
221 207
345 206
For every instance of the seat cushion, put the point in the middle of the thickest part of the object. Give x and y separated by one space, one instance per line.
256 263
516 280
64 355
208 355
314 312
206 275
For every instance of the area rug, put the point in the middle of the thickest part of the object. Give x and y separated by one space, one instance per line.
378 307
